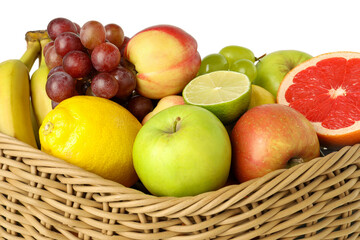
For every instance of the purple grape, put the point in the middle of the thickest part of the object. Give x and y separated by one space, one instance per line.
105 57
104 85
77 64
126 80
60 86
92 33
60 25
67 42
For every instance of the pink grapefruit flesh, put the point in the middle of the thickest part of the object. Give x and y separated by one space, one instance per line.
326 90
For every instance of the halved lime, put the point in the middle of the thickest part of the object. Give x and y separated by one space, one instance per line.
224 93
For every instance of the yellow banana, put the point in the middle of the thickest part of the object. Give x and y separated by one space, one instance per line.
41 103
34 125
15 115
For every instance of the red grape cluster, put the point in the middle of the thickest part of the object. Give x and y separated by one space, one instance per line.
89 60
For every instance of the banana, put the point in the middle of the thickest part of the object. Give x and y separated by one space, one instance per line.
41 103
15 115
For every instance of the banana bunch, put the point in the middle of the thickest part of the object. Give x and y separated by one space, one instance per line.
20 112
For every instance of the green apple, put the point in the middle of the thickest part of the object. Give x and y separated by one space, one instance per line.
183 150
272 68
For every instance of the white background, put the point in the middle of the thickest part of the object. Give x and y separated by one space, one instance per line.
312 26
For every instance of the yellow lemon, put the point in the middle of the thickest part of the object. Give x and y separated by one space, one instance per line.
93 133
260 96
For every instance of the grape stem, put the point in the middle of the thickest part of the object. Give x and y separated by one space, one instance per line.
258 58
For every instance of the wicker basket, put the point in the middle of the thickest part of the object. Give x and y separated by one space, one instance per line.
43 197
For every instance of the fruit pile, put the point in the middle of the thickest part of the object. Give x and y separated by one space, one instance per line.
149 110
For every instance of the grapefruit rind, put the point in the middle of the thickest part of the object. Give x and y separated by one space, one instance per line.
328 137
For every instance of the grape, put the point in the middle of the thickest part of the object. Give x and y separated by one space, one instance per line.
60 25
54 104
56 69
77 64
233 53
67 42
140 106
47 46
82 85
105 57
213 62
77 28
89 92
123 45
92 34
52 59
114 34
127 64
126 80
246 67
104 85
60 86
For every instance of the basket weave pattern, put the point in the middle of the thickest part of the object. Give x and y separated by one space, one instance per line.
42 197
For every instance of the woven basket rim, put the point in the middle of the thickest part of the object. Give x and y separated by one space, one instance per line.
276 175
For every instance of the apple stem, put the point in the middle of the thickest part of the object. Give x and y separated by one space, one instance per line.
258 58
177 120
294 161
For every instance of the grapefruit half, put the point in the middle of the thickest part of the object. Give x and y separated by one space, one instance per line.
326 89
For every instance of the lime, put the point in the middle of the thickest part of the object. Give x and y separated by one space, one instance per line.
224 93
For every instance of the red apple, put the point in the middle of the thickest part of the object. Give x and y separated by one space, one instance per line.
270 137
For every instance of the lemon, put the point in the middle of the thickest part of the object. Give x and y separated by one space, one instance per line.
260 96
224 93
93 133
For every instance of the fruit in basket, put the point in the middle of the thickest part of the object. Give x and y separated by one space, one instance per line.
326 90
271 137
183 150
126 82
105 57
165 58
60 86
233 53
93 133
140 106
92 33
67 42
114 34
52 59
165 102
244 66
225 93
59 25
41 102
260 96
15 114
272 68
213 62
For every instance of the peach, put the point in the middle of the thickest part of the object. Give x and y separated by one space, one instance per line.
165 58
165 102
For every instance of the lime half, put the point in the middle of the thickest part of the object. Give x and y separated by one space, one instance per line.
224 93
